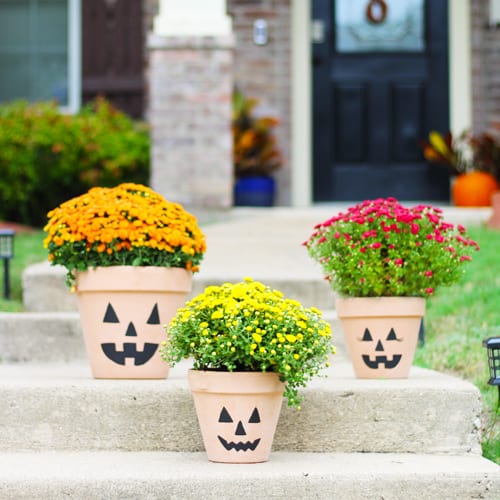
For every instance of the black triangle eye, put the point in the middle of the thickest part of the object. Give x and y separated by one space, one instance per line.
110 315
224 416
392 335
367 335
154 317
255 417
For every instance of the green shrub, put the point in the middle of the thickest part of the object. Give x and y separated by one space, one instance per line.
47 157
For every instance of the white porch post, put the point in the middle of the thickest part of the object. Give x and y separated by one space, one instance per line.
460 66
192 17
301 119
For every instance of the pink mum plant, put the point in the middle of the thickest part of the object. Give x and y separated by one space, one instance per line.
381 248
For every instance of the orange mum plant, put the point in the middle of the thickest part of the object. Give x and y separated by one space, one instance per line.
129 224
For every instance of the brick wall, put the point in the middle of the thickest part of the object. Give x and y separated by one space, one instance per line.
190 91
263 72
485 68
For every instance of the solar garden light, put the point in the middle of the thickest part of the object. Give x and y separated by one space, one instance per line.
6 253
493 346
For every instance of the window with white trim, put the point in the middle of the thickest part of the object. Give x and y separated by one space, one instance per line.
40 51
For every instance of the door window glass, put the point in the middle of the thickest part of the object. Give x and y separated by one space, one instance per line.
379 25
34 50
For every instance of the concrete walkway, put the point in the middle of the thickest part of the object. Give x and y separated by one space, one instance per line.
267 243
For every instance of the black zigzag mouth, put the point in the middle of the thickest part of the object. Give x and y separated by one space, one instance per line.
240 446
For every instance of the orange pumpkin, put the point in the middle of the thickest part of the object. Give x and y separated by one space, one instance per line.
474 189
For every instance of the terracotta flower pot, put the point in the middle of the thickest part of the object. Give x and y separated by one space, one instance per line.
494 221
238 413
122 311
381 334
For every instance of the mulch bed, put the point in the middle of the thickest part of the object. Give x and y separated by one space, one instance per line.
18 228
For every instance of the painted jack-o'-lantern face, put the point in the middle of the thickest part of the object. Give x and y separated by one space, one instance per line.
380 357
237 443
130 348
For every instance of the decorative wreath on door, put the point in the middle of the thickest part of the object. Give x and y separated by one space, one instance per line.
376 11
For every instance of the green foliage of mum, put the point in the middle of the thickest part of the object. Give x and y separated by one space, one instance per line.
381 248
247 326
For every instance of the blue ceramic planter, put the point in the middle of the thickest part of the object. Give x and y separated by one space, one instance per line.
254 192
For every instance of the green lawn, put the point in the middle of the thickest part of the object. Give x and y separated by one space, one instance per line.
458 319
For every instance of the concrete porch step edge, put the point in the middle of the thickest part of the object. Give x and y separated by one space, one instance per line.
152 475
44 287
59 406
57 336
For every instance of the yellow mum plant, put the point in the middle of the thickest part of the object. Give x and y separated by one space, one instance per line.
248 326
127 225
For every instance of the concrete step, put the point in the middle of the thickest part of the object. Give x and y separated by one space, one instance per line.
59 336
153 475
44 287
41 337
60 407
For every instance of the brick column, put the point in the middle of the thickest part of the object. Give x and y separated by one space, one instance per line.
190 91
485 69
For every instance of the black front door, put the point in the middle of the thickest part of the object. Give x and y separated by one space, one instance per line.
380 84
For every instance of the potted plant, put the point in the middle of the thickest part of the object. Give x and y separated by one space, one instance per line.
249 345
473 161
130 255
384 259
256 156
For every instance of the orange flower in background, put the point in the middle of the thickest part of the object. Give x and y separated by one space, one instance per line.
129 224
